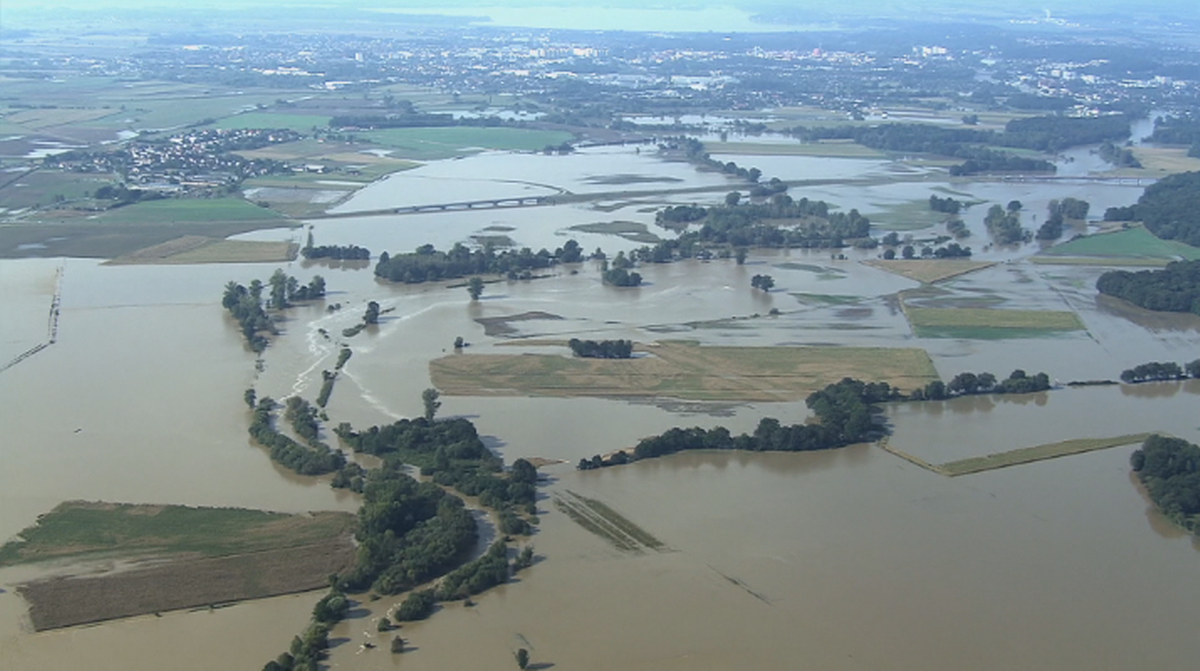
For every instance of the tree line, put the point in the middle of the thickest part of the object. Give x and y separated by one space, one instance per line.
1170 470
247 306
315 459
427 264
1175 288
1058 212
967 383
1169 208
1156 371
337 253
604 349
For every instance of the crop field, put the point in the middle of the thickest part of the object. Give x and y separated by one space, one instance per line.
187 210
929 271
199 249
986 324
1134 242
912 215
41 119
630 230
682 370
444 142
1164 160
42 188
127 559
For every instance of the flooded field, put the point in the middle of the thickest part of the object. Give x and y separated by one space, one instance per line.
848 559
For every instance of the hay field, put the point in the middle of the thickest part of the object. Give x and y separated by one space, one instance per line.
929 271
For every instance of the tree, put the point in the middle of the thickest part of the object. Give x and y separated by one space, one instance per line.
475 287
1014 206
459 343
889 254
739 255
430 398
249 397
732 198
908 252
397 645
522 658
764 282
371 316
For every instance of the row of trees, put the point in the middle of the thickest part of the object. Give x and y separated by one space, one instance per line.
1156 371
427 264
335 252
1169 208
950 251
1175 288
247 306
1170 470
314 459
843 411
604 349
967 383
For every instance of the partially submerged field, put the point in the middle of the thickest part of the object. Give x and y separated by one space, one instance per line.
983 323
118 560
682 370
927 270
1027 455
1132 244
199 249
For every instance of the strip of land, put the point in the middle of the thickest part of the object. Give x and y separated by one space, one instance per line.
983 323
1039 453
601 520
119 560
927 270
682 370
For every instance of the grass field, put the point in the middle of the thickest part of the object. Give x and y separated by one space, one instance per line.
445 142
984 324
682 370
80 530
1098 261
302 123
912 215
199 249
189 210
1165 159
829 149
1030 454
629 230
929 271
1134 242
40 188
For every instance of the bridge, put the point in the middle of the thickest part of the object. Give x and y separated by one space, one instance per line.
507 203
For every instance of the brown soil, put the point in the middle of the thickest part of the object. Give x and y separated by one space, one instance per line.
185 583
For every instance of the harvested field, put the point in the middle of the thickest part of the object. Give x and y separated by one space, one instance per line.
1041 452
497 326
186 583
684 371
199 249
984 323
119 560
929 271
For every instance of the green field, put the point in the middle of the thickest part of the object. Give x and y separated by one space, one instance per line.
79 530
445 142
1136 242
986 324
833 149
189 210
302 123
1030 454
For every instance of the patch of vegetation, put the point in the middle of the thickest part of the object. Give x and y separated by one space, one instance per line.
1169 208
1170 470
81 530
1134 242
629 230
945 322
1175 288
189 210
929 271
427 264
599 519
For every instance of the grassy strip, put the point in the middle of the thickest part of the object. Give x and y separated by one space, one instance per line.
971 318
1098 261
621 522
1030 454
82 530
629 230
589 522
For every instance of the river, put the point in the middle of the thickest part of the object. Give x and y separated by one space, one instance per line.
848 559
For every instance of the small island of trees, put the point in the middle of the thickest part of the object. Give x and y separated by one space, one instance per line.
1175 288
1170 470
604 349
427 264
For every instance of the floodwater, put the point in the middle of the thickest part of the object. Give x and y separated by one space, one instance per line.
849 559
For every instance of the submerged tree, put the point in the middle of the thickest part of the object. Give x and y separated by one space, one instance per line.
430 398
475 287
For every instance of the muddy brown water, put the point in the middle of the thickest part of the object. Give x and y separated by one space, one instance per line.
848 559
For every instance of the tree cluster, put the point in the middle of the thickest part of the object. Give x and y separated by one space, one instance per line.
1175 288
764 282
427 264
246 306
1156 371
1169 208
337 253
945 205
604 349
1122 157
967 383
1170 470
315 459
620 277
1005 226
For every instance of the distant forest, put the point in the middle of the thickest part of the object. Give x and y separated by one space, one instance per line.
1175 288
1169 208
